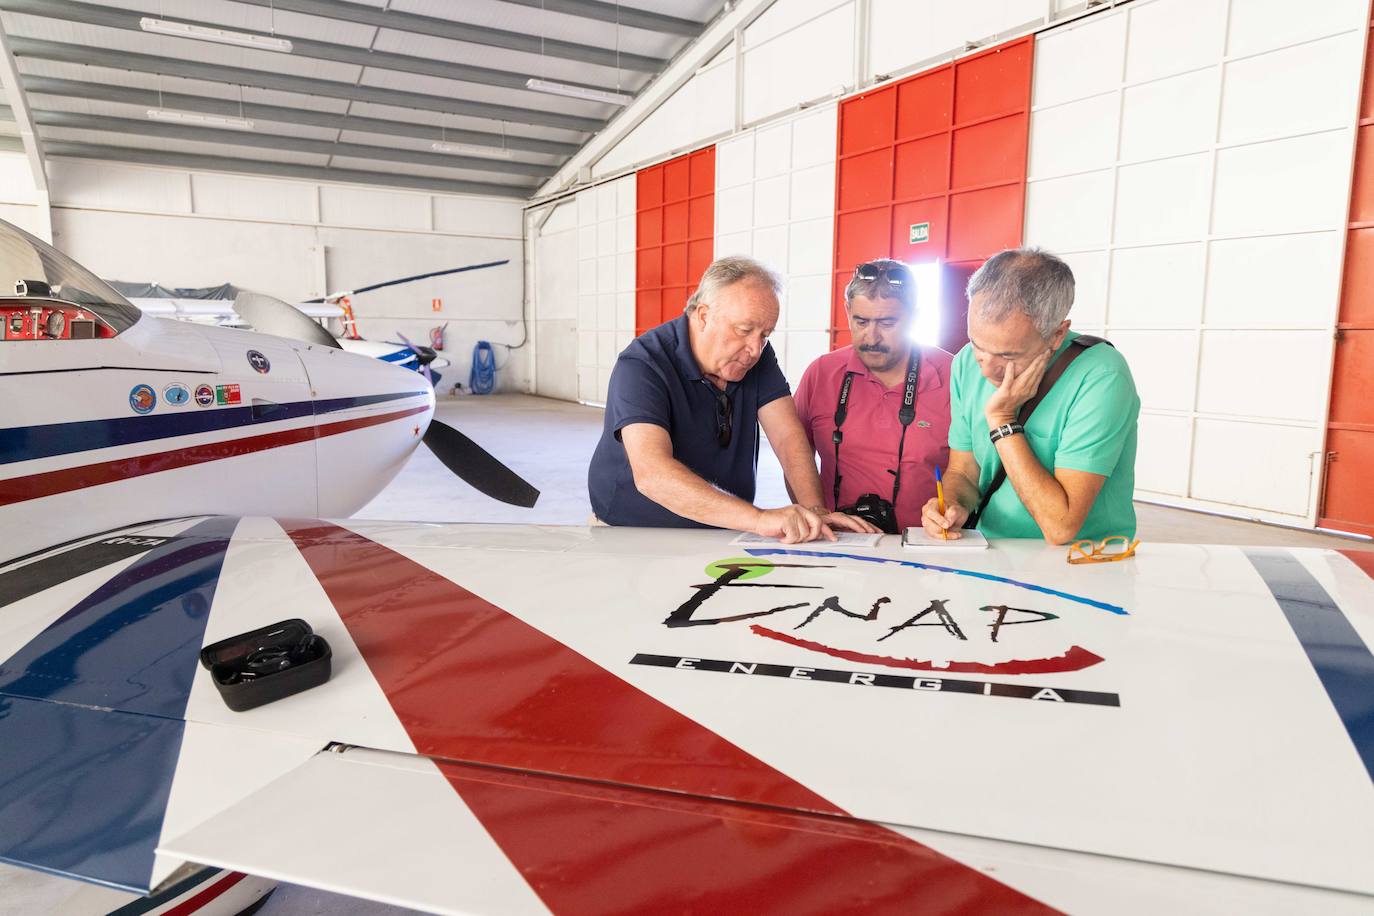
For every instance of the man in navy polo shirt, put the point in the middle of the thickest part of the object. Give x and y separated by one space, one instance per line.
680 446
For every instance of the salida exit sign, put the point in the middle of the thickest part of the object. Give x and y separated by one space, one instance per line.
920 232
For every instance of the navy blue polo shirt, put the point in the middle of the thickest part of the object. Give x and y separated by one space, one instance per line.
656 380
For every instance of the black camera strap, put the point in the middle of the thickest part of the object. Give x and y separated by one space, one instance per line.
1076 348
905 415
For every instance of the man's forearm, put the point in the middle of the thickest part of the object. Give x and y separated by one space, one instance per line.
798 462
1042 495
671 484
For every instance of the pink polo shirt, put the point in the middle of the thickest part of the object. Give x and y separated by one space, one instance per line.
871 429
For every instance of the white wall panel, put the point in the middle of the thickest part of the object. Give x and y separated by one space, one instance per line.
476 216
1262 25
1093 124
1170 117
103 186
1279 484
603 246
1160 286
343 206
1162 201
1155 358
825 45
1292 185
776 203
1210 224
1161 463
1173 36
1261 374
1079 60
905 32
1271 95
1281 280
237 197
1090 286
1070 214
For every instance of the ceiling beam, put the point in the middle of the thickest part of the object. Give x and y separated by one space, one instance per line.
115 18
262 79
19 105
712 41
253 139
104 92
63 148
616 13
436 27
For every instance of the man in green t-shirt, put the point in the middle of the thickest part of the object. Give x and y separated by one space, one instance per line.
1070 472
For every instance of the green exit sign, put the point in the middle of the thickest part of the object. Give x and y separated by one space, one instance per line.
920 232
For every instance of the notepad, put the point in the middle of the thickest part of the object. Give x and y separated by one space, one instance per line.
917 539
842 539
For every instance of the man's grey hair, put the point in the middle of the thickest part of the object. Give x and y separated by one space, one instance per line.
873 290
1029 280
728 271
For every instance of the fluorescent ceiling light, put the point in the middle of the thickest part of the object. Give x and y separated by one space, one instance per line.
579 92
205 33
469 149
199 120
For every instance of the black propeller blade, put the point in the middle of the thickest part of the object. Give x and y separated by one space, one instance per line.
272 316
476 465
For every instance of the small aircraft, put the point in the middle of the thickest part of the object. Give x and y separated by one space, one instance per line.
224 306
527 719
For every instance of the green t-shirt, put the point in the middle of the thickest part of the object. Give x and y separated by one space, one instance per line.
1087 422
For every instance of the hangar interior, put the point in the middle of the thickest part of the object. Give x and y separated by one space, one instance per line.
1204 182
1206 167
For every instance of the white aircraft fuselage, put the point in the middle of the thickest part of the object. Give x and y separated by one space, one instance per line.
172 419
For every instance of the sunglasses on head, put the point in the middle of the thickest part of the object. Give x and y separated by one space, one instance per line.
724 416
896 274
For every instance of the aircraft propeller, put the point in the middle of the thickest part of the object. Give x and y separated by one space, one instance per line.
465 458
270 315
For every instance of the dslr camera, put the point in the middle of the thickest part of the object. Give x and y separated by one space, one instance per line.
875 510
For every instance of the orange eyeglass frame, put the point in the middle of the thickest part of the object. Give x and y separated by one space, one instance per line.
1095 552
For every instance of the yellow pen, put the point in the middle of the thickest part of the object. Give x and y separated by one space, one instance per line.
940 493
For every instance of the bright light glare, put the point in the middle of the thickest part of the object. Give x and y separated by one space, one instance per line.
926 330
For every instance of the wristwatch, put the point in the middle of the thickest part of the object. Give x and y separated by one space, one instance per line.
1006 429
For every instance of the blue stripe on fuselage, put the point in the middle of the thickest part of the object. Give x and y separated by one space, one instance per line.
91 715
26 443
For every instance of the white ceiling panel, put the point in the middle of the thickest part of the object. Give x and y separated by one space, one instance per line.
462 122
520 62
185 49
546 24
495 95
193 147
421 145
40 102
426 171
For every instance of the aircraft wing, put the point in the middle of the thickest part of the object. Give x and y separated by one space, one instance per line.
599 720
207 309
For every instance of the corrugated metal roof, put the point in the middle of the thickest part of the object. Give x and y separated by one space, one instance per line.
384 78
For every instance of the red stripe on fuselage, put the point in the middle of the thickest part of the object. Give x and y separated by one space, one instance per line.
187 907
50 483
470 682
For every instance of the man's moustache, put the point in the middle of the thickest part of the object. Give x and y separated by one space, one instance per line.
865 348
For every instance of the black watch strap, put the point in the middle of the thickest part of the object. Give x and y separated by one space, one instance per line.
1006 429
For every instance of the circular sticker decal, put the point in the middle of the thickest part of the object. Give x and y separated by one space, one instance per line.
259 362
176 394
143 399
205 395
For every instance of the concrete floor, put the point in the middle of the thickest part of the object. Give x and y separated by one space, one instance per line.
550 444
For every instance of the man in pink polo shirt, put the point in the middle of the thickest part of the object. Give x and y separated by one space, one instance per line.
864 388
